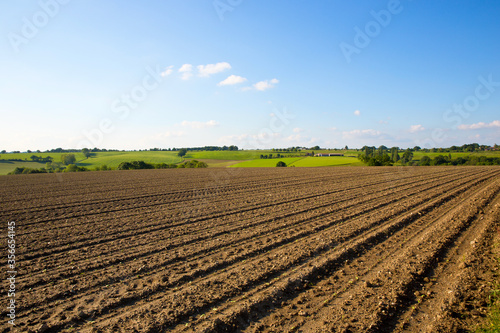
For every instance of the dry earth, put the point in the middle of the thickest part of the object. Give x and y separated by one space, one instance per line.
252 250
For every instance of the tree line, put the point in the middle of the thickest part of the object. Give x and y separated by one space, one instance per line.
134 165
383 156
141 165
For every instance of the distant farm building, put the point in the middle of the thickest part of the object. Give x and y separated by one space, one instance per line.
330 154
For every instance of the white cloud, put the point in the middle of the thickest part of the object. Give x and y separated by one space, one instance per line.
299 139
231 139
169 134
366 133
298 130
416 128
264 85
207 70
167 71
199 124
232 80
187 71
357 113
480 125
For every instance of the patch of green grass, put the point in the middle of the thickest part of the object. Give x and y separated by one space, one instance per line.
493 321
113 159
327 161
8 166
238 155
265 163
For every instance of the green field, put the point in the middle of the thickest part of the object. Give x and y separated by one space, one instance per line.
214 159
239 155
111 159
327 161
300 162
266 163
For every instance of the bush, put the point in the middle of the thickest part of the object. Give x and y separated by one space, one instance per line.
165 166
103 167
68 159
425 161
25 171
281 164
135 165
75 168
193 164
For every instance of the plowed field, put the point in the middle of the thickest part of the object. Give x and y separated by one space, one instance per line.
251 250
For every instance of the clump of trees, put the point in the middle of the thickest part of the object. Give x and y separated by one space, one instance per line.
141 165
193 164
383 156
379 156
23 170
135 165
41 159
465 160
281 164
269 156
48 169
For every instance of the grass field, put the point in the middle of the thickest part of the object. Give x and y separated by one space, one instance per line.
240 155
214 159
111 159
301 162
327 161
266 163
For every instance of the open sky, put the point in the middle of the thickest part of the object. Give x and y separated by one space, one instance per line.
256 74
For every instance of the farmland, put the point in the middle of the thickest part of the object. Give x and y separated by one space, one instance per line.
256 250
214 159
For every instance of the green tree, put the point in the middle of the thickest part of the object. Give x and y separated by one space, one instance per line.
68 159
182 152
425 161
86 152
407 156
281 164
394 154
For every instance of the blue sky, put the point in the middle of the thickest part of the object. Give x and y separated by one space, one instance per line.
257 74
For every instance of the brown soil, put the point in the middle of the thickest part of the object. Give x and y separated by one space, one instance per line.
253 250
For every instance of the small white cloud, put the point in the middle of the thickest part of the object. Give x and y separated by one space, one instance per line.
199 124
167 71
231 139
480 125
207 70
232 80
170 134
366 133
187 71
416 128
298 130
264 85
357 113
